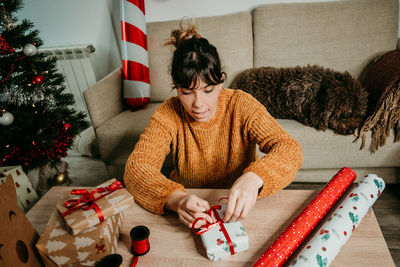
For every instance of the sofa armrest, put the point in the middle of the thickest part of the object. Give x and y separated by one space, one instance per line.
104 99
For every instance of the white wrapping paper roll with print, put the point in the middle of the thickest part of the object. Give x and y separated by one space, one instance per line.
334 233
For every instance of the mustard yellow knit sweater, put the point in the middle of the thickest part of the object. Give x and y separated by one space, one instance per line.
210 154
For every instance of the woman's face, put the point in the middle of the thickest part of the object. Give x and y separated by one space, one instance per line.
201 102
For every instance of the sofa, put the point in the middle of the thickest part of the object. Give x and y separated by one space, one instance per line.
341 35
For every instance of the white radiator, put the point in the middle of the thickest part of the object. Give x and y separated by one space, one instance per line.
75 63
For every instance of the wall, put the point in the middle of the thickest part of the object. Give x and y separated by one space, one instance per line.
72 22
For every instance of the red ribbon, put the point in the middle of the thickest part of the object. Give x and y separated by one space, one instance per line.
208 226
87 200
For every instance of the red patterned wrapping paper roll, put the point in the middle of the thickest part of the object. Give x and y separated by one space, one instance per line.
284 246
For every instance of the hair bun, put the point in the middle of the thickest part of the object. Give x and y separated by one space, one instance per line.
183 33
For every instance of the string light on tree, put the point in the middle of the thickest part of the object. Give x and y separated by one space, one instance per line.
38 79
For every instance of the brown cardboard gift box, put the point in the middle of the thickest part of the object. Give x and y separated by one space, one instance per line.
111 204
17 235
58 247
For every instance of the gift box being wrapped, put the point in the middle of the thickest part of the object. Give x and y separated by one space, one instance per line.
222 239
58 247
89 208
26 195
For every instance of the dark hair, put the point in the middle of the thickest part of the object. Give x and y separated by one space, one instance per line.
194 58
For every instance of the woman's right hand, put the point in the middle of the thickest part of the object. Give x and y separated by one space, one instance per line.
189 207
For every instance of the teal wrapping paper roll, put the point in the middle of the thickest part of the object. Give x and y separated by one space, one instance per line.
334 233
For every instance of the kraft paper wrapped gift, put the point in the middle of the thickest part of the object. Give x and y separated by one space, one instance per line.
107 203
58 247
215 241
26 195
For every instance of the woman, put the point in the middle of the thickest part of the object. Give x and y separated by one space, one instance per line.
213 133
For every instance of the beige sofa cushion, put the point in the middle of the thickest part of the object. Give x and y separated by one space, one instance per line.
343 35
325 149
118 136
230 34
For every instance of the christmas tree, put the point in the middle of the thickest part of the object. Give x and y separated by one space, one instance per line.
37 119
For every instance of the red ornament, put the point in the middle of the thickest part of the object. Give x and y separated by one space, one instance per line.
5 47
38 79
67 126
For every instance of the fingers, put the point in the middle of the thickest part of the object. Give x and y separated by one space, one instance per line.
230 207
204 204
185 221
187 218
196 204
238 206
192 207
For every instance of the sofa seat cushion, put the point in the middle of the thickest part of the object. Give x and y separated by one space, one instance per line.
321 149
118 136
325 149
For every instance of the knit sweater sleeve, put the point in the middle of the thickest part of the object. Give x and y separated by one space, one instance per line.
143 177
283 158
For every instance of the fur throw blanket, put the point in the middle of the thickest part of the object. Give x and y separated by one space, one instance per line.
383 84
313 95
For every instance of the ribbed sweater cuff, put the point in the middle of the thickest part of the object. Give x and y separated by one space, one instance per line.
267 188
161 203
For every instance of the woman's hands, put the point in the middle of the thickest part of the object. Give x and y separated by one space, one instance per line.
189 207
242 196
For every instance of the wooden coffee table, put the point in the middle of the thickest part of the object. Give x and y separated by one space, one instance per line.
172 244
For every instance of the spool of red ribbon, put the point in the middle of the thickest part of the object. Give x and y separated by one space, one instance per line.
140 240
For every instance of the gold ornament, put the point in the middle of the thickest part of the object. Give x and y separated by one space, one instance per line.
60 178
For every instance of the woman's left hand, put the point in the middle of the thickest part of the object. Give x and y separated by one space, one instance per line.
242 196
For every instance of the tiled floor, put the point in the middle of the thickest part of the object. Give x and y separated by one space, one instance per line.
86 171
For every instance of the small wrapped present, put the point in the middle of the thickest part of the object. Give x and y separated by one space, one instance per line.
91 208
26 195
58 247
222 239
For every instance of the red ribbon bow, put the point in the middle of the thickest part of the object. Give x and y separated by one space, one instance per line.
87 200
208 226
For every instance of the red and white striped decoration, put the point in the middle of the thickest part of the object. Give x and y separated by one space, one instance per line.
135 63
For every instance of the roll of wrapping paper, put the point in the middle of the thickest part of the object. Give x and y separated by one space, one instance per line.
135 62
334 233
284 246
